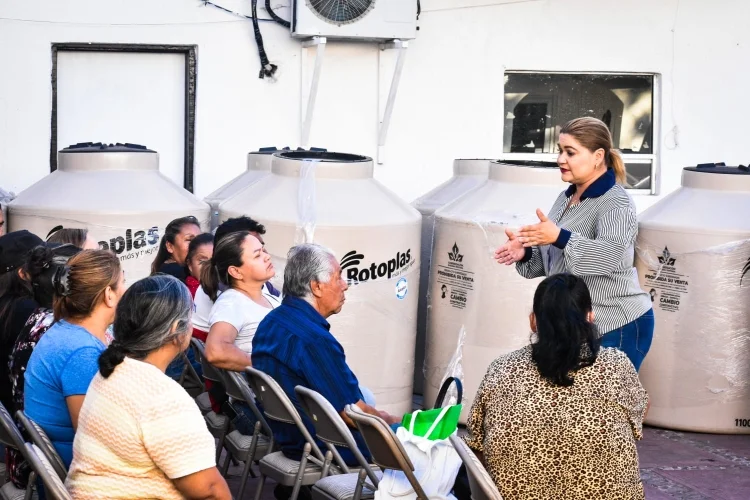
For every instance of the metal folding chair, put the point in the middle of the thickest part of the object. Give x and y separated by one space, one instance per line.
44 443
54 488
11 436
385 448
333 431
239 446
481 484
278 407
218 425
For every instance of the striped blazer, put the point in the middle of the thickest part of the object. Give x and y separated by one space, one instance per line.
596 243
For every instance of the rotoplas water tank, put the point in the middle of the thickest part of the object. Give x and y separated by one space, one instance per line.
693 257
468 289
332 199
467 175
114 191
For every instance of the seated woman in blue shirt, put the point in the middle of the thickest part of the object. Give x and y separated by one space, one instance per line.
66 359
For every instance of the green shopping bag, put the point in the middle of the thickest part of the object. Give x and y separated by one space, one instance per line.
437 423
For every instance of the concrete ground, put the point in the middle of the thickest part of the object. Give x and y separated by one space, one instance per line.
674 465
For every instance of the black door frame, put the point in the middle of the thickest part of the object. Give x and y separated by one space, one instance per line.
191 75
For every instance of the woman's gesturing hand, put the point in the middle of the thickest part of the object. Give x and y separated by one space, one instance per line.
544 233
511 252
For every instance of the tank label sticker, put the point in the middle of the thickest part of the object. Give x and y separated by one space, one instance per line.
665 284
402 287
454 280
356 273
133 244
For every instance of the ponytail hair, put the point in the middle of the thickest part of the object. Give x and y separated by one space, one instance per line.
227 253
566 340
170 234
80 286
593 134
153 312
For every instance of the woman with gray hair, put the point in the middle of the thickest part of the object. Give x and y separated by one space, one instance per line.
140 435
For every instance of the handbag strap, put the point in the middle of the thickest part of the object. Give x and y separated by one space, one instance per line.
444 390
436 421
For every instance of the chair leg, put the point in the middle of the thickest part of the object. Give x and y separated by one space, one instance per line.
222 436
245 473
31 486
301 472
259 491
225 467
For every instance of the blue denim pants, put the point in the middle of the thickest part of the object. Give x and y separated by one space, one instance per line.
634 339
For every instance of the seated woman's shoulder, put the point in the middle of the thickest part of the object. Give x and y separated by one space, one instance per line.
611 356
515 360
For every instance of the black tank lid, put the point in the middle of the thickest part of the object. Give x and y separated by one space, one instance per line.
324 156
719 168
98 147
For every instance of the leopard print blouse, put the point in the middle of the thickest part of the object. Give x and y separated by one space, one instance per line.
542 441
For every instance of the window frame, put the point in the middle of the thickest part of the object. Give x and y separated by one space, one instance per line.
639 158
189 52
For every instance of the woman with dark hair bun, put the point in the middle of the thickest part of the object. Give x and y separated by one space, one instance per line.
140 435
560 417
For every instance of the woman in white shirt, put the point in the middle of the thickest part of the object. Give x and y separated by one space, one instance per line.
241 263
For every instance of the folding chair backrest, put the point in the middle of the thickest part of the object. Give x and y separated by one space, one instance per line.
482 485
238 388
210 372
277 405
54 488
330 427
384 446
9 433
43 442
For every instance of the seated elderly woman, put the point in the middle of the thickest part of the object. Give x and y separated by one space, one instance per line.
140 435
560 417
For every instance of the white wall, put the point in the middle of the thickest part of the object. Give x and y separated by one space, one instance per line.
450 103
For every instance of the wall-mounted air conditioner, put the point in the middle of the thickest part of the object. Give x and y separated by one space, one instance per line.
355 19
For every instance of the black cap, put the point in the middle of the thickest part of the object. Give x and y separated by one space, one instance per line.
15 247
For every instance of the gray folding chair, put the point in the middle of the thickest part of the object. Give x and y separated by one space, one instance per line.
333 431
218 425
54 488
384 446
44 443
278 407
209 373
482 485
240 446
11 436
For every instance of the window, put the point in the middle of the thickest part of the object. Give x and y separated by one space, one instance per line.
538 104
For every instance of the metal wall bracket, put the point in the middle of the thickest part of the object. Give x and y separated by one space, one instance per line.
319 42
385 121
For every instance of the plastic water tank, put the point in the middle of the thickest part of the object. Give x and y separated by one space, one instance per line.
693 257
258 166
117 193
332 199
468 289
467 175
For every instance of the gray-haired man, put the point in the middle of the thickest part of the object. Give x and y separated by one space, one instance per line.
293 344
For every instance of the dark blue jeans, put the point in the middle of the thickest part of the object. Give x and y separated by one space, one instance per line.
634 339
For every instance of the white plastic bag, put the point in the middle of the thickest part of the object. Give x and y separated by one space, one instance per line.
436 465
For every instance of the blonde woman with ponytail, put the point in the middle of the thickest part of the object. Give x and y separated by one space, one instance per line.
590 232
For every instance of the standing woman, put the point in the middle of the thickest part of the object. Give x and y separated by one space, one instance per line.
173 248
590 232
